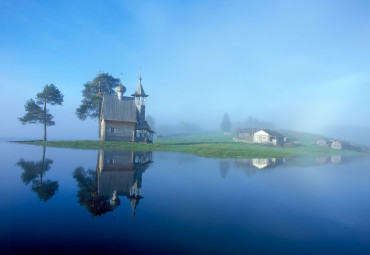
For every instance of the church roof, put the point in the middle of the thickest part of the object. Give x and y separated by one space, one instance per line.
144 126
119 110
140 91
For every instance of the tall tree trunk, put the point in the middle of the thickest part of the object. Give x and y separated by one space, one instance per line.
99 119
44 120
99 128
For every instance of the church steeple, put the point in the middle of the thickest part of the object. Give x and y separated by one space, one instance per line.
140 93
115 201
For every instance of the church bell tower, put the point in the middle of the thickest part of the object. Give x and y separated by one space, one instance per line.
140 98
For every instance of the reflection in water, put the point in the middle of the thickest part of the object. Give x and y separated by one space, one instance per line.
310 202
118 173
259 163
34 172
335 159
224 167
87 192
252 166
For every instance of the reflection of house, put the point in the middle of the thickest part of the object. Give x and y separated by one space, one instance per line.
120 174
259 163
253 166
263 136
334 159
123 118
322 159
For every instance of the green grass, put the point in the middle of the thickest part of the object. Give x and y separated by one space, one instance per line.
211 145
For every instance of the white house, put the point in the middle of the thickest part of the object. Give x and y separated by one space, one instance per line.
267 136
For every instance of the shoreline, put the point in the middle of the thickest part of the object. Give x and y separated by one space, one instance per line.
207 149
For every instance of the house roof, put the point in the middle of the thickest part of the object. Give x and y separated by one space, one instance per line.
255 130
272 132
119 110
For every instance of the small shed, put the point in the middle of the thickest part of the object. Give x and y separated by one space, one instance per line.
336 145
321 143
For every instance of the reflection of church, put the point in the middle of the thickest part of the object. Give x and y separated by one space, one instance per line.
119 173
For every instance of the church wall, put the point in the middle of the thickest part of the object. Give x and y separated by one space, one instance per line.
119 131
115 160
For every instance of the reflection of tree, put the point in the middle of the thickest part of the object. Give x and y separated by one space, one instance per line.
88 192
45 189
224 166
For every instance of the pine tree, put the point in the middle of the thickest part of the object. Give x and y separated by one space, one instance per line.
226 124
38 114
92 95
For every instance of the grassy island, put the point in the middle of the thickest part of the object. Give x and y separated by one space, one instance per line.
211 144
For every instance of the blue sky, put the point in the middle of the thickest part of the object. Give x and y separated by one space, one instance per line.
301 64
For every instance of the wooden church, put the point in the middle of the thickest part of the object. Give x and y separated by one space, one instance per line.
122 118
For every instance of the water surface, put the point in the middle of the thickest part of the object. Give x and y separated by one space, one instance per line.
90 201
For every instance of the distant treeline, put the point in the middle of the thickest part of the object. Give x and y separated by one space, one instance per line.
181 128
252 122
188 127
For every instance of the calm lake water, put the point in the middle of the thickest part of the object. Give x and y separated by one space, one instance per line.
90 201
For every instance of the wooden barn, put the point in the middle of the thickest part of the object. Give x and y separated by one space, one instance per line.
123 118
